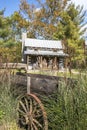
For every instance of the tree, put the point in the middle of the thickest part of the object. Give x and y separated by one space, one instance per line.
6 33
19 24
8 44
58 20
69 29
42 20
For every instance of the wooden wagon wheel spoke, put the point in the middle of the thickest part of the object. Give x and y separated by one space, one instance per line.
26 103
31 107
38 116
23 106
35 108
21 112
35 127
36 122
22 120
32 113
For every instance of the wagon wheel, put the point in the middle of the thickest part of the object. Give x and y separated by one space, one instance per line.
32 113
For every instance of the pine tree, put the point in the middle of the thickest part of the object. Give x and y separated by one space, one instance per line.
8 45
69 29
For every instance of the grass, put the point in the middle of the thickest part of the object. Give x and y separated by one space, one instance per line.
67 108
8 103
60 73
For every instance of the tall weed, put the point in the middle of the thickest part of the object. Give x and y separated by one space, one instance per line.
8 103
67 108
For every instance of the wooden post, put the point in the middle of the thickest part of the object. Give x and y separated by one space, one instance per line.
55 63
28 78
28 84
27 62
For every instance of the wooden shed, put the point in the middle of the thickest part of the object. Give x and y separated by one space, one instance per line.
42 54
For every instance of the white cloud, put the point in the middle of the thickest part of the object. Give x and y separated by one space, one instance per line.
37 10
81 3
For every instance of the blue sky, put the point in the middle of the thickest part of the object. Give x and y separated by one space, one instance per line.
9 5
13 5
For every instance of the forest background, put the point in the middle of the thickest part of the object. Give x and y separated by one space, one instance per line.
49 19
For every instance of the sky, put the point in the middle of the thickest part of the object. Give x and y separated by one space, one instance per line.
13 5
9 5
81 2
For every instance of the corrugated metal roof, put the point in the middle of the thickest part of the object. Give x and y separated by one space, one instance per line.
43 43
49 53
